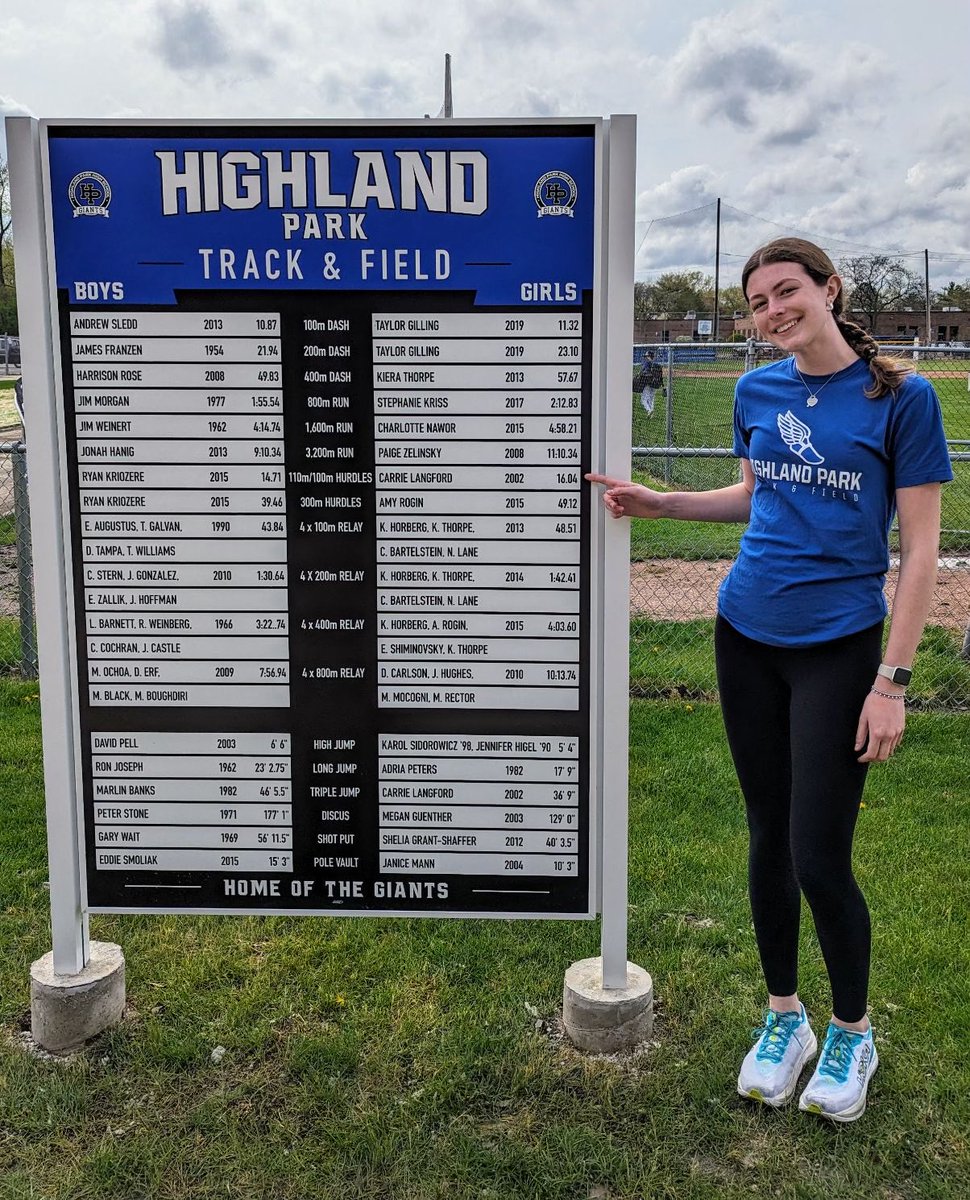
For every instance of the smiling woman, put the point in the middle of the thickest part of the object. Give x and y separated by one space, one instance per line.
833 440
777 281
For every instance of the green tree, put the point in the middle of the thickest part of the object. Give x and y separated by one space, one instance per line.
878 283
675 293
642 306
731 300
954 295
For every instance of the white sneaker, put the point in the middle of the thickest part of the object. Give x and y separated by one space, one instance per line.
838 1088
783 1045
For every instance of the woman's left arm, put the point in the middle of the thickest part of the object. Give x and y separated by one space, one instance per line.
883 719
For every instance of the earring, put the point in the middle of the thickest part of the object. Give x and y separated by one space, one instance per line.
829 306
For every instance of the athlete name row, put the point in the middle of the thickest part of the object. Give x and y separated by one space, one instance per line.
180 471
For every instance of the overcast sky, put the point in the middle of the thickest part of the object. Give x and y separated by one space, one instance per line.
846 120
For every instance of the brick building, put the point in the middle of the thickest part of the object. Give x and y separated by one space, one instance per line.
947 325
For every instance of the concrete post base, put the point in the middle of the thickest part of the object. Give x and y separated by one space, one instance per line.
603 1021
68 1010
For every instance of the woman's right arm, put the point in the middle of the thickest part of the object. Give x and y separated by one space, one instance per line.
623 499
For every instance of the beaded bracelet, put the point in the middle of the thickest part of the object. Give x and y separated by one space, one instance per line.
888 695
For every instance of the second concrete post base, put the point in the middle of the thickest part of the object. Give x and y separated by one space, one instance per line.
604 1020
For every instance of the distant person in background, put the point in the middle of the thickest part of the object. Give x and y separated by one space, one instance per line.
834 441
649 380
18 396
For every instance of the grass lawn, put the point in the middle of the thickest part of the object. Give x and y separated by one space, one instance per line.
418 1059
9 640
676 658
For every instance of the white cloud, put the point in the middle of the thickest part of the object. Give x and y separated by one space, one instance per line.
684 237
685 188
10 107
842 121
738 67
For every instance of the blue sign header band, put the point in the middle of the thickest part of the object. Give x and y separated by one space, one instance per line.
505 214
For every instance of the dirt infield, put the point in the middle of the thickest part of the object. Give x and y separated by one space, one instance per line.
9 590
671 589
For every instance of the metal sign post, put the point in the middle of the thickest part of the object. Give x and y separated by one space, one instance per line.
69 924
614 689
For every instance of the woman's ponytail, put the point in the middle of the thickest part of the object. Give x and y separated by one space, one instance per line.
888 373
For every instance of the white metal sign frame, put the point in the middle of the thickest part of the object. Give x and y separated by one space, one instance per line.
51 483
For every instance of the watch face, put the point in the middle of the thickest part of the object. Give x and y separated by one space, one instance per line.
902 676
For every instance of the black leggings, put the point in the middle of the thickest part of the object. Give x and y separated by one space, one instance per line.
791 717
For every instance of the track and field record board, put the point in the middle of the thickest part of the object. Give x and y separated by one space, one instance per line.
325 395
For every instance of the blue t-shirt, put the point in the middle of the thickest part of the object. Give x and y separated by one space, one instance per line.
814 557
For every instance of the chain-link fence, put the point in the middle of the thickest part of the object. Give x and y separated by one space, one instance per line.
683 442
676 566
18 644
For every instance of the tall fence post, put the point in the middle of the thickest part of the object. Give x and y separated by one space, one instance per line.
25 563
669 407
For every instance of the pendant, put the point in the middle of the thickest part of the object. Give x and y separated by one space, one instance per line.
812 401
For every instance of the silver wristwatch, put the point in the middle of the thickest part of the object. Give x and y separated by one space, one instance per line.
899 675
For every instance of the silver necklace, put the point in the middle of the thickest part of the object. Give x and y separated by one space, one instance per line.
812 398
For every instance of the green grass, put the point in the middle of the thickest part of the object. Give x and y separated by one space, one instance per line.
9 644
377 1058
672 658
676 658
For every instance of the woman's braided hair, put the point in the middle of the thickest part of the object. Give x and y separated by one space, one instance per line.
887 372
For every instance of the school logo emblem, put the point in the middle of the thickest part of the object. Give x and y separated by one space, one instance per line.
555 194
90 194
798 438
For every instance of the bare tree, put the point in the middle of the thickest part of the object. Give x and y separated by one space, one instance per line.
5 218
878 283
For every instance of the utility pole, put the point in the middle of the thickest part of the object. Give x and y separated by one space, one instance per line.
717 273
447 109
929 314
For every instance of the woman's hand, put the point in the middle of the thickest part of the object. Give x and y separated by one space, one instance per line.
881 723
623 499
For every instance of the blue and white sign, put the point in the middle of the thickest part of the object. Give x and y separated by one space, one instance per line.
324 396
